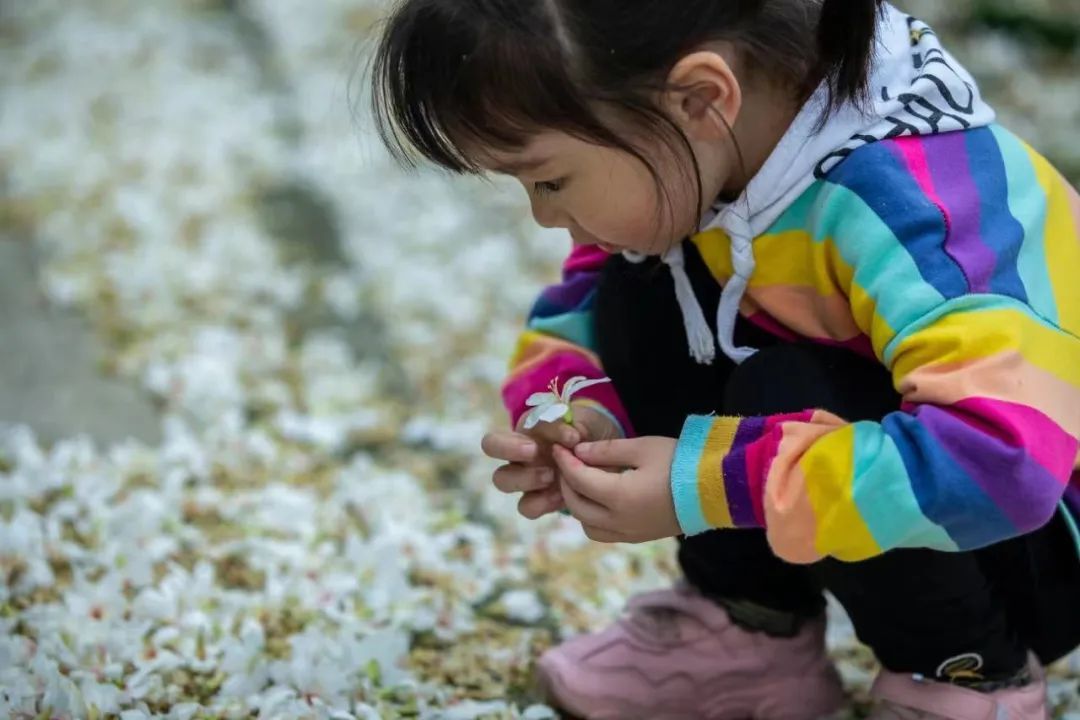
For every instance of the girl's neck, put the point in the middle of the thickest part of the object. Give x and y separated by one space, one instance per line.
763 120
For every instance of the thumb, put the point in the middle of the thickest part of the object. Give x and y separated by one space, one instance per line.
609 453
568 436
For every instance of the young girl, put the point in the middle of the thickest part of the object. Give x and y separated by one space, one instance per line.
881 396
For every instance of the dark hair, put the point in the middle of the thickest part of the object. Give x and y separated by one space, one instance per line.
452 74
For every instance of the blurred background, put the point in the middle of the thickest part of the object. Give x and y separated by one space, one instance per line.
245 362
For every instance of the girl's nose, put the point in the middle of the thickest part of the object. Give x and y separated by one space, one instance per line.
547 214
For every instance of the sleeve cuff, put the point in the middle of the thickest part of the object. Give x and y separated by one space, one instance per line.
602 397
700 487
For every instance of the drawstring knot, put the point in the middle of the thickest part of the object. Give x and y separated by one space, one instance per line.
741 235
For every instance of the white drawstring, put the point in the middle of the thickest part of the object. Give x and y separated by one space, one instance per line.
743 263
698 334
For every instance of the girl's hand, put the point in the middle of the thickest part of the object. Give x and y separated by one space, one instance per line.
531 467
633 505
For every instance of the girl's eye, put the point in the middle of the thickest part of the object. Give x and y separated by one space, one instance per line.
547 188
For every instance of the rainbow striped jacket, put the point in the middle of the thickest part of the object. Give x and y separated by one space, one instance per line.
953 259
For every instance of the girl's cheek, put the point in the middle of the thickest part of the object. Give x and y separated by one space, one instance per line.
630 221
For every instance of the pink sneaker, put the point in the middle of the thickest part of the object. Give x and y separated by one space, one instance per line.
902 697
677 656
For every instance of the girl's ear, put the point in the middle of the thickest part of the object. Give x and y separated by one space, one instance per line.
703 96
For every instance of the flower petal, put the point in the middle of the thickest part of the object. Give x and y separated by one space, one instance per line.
541 399
533 418
554 412
570 387
575 385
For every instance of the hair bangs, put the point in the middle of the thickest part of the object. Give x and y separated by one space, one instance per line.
447 92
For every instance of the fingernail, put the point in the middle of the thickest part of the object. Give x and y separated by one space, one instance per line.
583 449
570 436
547 477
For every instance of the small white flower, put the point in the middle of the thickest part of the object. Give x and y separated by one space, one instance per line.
523 605
554 405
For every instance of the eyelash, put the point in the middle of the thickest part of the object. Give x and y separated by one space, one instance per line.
548 188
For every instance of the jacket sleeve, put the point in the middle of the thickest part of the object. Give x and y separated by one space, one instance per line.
970 312
559 342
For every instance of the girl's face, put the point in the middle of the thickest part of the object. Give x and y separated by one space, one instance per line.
607 197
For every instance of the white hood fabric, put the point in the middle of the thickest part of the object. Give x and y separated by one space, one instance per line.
917 88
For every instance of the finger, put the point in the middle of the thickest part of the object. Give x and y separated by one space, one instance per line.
537 504
508 446
583 509
610 453
569 436
593 483
556 434
604 536
515 478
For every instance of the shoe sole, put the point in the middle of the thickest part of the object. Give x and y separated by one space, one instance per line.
550 690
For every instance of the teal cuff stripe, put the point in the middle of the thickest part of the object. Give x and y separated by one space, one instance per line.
1071 522
684 475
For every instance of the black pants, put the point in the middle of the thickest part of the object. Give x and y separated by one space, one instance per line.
915 608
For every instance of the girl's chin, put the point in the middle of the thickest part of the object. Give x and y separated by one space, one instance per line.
652 249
